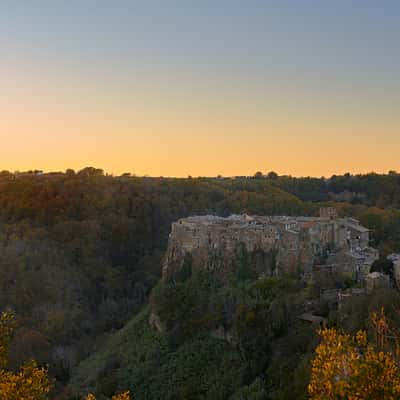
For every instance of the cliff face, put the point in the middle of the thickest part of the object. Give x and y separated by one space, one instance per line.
263 245
267 245
248 247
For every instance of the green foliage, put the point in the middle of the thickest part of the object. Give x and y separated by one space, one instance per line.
255 391
139 358
249 265
382 190
80 253
383 265
187 360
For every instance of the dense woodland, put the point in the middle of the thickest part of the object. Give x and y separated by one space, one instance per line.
80 266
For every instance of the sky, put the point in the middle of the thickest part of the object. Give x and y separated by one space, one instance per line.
201 88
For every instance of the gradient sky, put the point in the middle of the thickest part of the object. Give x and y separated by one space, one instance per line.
220 87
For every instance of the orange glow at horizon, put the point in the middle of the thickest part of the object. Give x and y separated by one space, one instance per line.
131 128
200 89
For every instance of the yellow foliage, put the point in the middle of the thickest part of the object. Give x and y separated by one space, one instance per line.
381 327
6 329
121 396
31 382
347 367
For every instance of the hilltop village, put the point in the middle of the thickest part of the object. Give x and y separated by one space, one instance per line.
296 244
276 245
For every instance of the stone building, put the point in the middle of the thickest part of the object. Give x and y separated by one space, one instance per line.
377 280
395 259
345 297
349 300
328 212
269 245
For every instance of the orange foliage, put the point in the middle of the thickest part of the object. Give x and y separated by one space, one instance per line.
31 382
348 367
121 396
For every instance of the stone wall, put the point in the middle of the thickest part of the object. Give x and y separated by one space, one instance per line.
269 245
217 243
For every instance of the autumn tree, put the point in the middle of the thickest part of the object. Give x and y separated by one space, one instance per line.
350 367
31 382
121 396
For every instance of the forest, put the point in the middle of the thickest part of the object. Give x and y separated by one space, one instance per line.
80 268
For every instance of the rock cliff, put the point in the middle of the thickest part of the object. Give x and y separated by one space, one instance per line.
264 245
259 245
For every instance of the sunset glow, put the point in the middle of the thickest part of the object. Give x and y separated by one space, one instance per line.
200 90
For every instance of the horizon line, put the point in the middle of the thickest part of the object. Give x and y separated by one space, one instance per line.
255 175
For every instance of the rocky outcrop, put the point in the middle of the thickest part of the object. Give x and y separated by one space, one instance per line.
261 245
155 322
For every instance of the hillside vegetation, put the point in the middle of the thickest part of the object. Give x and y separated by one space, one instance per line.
80 257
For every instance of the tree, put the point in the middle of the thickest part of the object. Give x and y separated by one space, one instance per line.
272 175
31 382
349 367
91 171
121 396
70 172
383 265
258 175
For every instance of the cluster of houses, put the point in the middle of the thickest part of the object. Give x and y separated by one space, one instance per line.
307 246
303 245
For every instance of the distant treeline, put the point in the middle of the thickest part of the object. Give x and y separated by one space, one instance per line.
81 251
